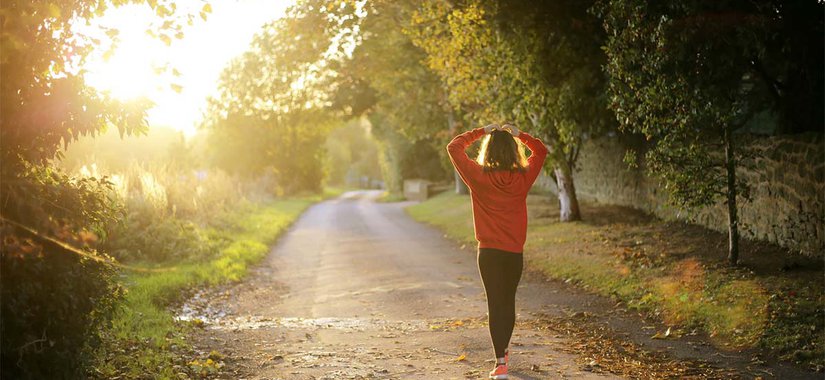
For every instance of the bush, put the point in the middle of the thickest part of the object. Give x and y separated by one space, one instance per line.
57 293
165 205
55 302
158 240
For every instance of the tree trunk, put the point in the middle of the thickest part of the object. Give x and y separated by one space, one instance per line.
733 219
568 203
563 172
460 186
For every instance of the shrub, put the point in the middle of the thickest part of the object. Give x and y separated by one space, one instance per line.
54 305
57 293
158 240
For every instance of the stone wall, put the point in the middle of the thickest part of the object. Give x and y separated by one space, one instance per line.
787 189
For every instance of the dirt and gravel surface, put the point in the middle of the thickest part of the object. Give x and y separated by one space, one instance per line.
358 290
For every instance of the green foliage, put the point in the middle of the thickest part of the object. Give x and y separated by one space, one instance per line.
537 64
384 79
273 101
158 241
407 94
402 159
45 101
57 292
55 303
351 153
50 201
289 151
391 147
144 335
162 205
673 85
683 73
690 75
55 297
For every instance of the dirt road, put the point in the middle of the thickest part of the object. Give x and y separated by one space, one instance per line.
358 290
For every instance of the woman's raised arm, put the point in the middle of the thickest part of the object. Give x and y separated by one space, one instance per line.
468 169
536 159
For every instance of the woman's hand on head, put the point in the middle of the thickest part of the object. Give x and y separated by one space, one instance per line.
510 128
490 128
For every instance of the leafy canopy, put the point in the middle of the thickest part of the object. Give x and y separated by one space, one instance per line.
44 99
535 64
682 73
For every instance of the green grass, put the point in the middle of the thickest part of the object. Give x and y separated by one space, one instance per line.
651 267
388 197
449 212
144 337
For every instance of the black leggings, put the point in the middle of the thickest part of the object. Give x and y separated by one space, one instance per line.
500 273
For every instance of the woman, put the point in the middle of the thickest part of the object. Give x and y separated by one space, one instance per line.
499 180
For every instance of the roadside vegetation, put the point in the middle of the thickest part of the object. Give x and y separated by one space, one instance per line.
672 272
145 339
181 228
388 197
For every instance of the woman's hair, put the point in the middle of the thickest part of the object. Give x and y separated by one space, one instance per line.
500 151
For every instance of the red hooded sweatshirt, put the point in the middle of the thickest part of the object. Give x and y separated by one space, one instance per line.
499 197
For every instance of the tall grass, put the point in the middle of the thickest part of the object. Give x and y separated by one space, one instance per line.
182 228
163 190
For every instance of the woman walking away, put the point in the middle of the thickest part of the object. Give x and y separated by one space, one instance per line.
499 180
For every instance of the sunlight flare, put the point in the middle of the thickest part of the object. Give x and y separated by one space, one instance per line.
176 75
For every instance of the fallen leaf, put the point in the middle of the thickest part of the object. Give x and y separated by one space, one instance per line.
660 335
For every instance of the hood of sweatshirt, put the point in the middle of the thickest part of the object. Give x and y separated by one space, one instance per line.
508 182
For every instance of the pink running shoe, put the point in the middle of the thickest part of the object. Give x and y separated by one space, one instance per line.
500 373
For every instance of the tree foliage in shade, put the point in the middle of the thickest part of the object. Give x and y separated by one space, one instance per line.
537 64
690 75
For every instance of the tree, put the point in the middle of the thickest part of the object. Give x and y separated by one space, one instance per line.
689 76
407 105
359 63
57 291
351 155
537 64
275 100
44 100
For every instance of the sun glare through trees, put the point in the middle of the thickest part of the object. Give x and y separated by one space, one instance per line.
179 71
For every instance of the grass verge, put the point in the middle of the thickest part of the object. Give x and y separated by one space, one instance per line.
145 341
671 271
388 197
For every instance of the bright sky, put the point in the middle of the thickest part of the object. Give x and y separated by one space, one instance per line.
199 57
